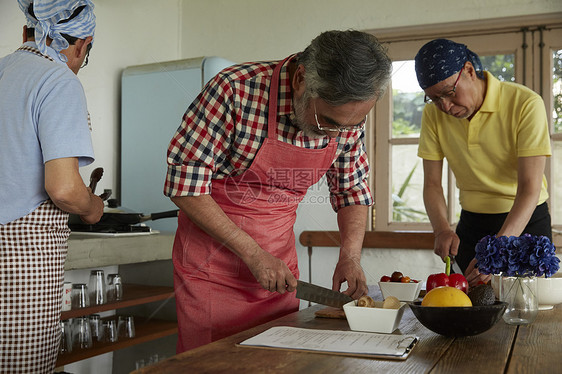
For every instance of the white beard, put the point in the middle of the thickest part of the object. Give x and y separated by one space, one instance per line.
300 107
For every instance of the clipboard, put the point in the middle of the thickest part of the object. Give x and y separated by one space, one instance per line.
334 342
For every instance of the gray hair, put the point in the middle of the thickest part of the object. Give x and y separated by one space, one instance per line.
345 66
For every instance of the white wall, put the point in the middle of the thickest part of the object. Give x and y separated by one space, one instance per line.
247 30
128 32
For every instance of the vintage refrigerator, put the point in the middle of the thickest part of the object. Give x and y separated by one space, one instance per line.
154 98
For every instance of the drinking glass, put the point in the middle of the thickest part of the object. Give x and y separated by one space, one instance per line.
82 336
139 364
66 296
96 327
66 337
110 331
97 287
126 327
114 287
79 296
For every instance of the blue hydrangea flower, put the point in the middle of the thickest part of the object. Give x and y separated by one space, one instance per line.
525 255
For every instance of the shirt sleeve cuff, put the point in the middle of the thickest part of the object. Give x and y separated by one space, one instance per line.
187 180
359 195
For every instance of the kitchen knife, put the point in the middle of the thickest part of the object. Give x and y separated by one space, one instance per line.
454 266
321 295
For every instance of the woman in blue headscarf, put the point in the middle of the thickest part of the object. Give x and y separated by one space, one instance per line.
44 138
495 138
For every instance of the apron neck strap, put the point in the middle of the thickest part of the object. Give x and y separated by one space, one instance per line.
34 51
273 95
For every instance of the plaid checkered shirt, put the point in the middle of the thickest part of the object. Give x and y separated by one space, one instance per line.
224 127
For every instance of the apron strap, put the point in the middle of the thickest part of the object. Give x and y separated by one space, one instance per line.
273 95
34 51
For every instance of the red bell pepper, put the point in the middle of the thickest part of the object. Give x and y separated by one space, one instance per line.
458 281
436 280
444 279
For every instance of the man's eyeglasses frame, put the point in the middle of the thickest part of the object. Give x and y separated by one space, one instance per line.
358 127
447 95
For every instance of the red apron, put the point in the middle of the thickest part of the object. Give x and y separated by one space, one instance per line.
216 294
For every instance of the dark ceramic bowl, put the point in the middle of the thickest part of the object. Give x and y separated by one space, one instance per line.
458 321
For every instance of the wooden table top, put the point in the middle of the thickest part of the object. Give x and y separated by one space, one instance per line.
536 348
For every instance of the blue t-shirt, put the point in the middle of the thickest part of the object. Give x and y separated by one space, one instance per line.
43 116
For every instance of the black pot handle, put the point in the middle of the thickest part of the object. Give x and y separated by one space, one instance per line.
168 214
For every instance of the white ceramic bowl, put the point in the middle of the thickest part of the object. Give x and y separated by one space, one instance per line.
402 291
373 319
550 291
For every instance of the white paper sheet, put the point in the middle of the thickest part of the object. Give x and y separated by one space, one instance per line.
350 342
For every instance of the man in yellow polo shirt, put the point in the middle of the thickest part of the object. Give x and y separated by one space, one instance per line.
495 138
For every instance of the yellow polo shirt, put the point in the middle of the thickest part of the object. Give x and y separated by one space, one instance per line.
483 152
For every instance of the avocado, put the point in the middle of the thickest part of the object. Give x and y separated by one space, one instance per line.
482 294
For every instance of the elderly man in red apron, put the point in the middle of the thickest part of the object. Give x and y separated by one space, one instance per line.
44 138
248 149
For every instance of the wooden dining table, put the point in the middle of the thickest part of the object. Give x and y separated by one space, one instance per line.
533 348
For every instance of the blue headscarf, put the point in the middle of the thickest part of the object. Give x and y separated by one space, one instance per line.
441 58
48 14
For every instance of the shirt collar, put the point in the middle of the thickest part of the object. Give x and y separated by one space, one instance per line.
492 100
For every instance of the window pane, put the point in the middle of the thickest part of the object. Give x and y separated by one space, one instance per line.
407 100
557 91
407 185
501 66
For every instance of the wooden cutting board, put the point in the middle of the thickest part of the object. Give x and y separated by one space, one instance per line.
330 312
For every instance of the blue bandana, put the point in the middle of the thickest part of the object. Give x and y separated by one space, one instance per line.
48 14
441 58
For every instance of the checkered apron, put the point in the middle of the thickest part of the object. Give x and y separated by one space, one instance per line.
32 254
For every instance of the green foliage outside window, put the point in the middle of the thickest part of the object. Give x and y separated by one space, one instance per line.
407 112
557 83
501 66
401 212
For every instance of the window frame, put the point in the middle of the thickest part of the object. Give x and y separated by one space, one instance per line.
521 36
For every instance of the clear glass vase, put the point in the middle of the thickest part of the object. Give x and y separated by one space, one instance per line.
520 294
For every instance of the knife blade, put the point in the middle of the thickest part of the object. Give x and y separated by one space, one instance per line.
321 295
454 265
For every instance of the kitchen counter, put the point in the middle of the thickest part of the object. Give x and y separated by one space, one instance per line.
502 349
85 251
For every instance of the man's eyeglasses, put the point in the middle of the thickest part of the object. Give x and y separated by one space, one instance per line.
447 95
359 126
